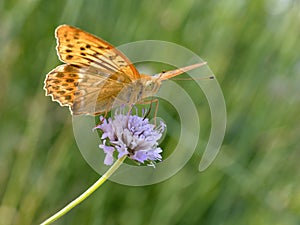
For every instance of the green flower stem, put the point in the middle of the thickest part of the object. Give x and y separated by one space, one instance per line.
87 193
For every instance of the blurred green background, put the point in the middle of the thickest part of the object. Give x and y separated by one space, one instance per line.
252 47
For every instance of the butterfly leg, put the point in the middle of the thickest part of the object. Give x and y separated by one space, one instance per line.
105 113
155 101
156 109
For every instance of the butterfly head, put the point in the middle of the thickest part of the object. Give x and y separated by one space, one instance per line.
151 84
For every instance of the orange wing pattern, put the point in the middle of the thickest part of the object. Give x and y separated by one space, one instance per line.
75 46
94 75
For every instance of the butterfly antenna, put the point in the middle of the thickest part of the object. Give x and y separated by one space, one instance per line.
196 78
176 72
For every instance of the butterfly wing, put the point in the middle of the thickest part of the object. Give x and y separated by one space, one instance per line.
82 89
75 46
94 75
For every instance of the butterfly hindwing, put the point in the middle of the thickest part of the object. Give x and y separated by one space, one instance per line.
82 89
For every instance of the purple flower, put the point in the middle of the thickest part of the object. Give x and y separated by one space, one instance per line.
131 135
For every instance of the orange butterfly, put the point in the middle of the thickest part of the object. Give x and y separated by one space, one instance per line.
96 76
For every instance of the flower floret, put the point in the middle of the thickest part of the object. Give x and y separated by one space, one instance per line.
131 135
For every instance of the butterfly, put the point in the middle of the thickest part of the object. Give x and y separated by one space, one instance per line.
96 76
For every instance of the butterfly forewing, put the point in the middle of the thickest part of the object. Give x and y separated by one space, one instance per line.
75 46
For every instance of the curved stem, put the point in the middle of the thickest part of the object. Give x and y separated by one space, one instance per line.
87 193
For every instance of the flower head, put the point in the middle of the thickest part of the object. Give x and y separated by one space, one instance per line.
130 135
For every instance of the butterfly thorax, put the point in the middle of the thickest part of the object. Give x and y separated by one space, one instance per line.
139 89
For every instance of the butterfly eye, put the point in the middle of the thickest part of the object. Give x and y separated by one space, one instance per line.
149 84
